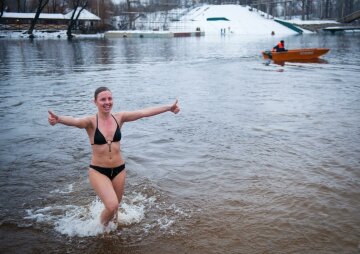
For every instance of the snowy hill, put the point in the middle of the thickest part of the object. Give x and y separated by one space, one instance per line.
235 19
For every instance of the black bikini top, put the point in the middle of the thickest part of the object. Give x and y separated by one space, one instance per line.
99 138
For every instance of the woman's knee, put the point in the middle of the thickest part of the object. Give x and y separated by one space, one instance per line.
112 206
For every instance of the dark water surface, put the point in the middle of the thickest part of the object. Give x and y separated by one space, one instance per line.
261 159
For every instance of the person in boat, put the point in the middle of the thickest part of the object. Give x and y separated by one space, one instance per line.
107 168
280 47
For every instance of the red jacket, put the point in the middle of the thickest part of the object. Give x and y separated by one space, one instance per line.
279 47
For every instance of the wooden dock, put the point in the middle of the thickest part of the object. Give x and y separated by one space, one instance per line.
151 34
334 29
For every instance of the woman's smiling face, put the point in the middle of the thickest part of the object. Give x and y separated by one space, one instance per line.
104 101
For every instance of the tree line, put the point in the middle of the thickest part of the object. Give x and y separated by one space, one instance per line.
308 9
133 9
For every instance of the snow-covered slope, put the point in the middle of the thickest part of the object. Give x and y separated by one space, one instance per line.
236 19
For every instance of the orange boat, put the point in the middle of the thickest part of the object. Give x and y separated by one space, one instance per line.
295 54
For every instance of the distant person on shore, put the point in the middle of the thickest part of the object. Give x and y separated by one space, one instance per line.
107 168
280 47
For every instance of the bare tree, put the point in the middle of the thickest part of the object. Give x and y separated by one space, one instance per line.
133 9
308 9
330 10
326 9
24 6
41 6
2 7
72 22
303 2
18 5
52 6
344 8
128 3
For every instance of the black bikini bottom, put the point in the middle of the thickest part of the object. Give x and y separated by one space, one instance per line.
109 172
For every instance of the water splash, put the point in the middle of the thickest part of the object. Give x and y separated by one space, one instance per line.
84 221
73 220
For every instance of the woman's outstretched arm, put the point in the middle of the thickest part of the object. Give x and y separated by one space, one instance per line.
128 116
81 123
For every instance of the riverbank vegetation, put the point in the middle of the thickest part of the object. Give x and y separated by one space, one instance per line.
131 10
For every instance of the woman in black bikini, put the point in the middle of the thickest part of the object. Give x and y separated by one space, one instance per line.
107 169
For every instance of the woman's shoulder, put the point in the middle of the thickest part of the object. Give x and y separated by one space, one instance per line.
119 116
90 120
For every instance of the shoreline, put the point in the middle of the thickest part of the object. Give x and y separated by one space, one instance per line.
45 34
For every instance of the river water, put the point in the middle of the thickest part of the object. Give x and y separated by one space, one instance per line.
262 158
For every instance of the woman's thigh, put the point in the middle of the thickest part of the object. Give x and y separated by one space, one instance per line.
103 187
119 184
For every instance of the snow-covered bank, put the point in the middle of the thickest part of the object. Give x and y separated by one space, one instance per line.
45 34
